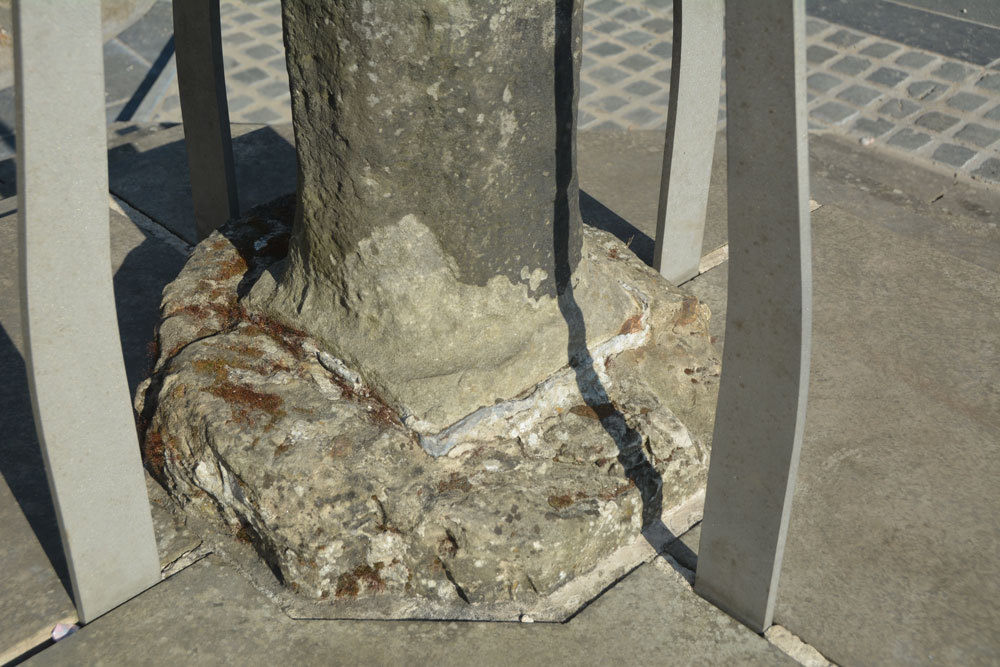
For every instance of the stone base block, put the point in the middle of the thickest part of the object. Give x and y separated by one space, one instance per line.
540 502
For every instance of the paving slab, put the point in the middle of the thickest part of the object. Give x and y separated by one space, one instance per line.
894 524
35 593
896 519
148 169
35 589
210 615
620 174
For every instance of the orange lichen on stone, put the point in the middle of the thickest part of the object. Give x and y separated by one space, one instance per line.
631 325
349 583
243 399
560 502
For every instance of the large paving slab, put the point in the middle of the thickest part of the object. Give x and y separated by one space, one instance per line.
894 525
210 615
35 593
35 589
891 555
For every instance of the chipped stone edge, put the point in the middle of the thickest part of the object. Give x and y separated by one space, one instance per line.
148 225
185 560
792 646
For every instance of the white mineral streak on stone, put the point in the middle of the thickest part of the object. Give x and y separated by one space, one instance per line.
206 478
507 97
558 392
336 366
432 89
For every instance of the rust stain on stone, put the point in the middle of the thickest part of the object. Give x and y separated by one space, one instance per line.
455 482
631 325
560 502
688 312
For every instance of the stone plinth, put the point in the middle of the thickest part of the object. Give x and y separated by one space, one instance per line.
539 502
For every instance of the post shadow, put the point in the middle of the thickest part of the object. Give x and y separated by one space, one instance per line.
21 463
138 283
637 467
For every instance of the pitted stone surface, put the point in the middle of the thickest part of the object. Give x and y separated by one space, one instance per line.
255 429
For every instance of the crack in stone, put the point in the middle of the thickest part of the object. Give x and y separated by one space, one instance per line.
517 416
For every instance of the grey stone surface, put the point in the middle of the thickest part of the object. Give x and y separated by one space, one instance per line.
989 171
951 154
966 101
265 169
177 622
936 121
35 591
909 139
610 160
951 71
914 59
416 536
822 82
887 76
989 82
833 112
898 108
892 571
818 54
844 38
977 134
926 91
879 50
858 95
851 65
148 36
873 128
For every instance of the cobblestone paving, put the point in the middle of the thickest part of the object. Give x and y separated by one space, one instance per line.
920 104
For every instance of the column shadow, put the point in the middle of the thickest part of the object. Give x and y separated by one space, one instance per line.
637 467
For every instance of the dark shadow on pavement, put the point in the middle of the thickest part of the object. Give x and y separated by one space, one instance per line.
598 215
21 461
637 467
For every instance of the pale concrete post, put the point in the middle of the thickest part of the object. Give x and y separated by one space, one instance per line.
75 370
762 397
201 81
692 119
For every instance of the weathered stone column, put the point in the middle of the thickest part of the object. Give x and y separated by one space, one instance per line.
438 199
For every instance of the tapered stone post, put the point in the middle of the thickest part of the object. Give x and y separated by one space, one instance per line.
438 212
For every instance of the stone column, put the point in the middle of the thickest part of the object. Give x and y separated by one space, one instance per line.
438 213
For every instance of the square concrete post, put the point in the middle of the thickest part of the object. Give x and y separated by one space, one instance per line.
75 369
692 119
765 366
201 82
